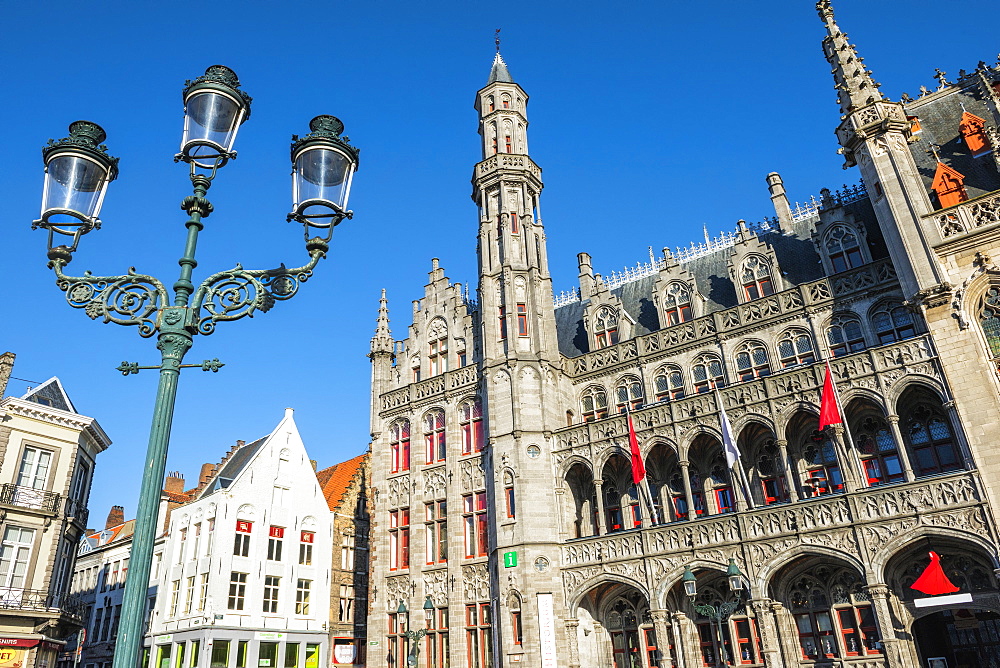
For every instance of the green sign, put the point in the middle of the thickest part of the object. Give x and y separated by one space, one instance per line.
509 559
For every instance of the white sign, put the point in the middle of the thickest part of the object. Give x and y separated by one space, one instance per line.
942 600
270 635
164 639
547 630
343 654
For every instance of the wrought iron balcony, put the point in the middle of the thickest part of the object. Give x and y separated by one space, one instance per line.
77 511
29 497
35 600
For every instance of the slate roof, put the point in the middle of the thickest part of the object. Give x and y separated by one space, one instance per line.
336 479
231 467
797 258
499 71
939 114
51 393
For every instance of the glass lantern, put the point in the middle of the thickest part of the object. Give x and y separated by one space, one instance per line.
214 109
734 576
690 583
323 166
78 170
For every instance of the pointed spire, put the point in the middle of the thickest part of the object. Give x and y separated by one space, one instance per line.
499 71
855 85
382 342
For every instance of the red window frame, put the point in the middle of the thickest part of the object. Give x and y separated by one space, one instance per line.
508 143
399 539
516 628
399 446
436 521
503 323
472 427
522 320
475 521
515 223
725 500
478 632
757 288
509 497
434 437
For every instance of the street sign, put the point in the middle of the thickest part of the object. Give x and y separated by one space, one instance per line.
509 559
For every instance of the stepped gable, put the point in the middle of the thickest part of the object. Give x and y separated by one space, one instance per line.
336 479
939 115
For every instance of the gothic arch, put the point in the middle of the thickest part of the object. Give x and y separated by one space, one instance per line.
575 596
784 416
744 421
909 382
571 461
770 569
684 447
847 395
899 544
672 577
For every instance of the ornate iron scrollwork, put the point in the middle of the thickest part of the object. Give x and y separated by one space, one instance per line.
132 299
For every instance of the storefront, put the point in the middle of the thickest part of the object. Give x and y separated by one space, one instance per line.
28 653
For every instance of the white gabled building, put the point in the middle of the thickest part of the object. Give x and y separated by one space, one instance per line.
244 576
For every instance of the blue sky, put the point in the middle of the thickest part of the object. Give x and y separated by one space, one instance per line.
649 119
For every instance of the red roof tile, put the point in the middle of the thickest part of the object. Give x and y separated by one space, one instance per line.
335 480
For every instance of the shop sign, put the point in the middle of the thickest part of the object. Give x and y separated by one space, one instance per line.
270 635
19 642
343 654
12 658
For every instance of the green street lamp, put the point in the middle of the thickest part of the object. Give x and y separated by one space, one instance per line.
415 636
78 170
720 613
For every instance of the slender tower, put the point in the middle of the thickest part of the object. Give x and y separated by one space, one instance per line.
382 355
874 133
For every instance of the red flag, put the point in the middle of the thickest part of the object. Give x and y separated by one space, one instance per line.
638 468
933 580
829 412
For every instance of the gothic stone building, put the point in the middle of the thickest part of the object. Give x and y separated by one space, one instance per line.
506 521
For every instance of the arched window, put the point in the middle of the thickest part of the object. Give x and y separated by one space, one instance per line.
751 361
823 474
879 457
438 343
707 373
722 487
771 471
628 393
472 426
493 136
505 101
669 383
795 347
677 303
845 336
415 365
843 249
493 103
434 436
892 322
606 327
931 441
508 492
613 507
833 615
989 320
399 446
595 404
756 278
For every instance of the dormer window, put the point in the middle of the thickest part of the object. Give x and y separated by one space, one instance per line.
757 278
843 249
438 344
914 124
606 327
677 304
973 134
949 186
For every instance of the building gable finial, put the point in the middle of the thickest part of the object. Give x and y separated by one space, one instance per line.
854 83
382 342
497 39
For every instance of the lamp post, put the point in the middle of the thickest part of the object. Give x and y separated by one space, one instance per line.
718 614
416 636
78 170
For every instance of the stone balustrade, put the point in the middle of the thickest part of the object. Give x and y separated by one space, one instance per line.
462 379
955 222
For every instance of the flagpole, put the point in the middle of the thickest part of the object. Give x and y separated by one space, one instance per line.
852 458
634 452
732 451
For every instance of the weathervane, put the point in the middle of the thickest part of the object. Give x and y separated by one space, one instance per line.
497 40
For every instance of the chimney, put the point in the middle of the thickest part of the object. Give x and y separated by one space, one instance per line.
6 366
174 483
115 517
586 276
206 472
780 200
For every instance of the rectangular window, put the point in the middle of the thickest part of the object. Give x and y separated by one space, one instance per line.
197 542
115 620
195 652
347 553
509 494
271 583
211 535
274 540
241 654
203 592
183 546
175 594
291 655
516 628
399 538
34 470
346 613
478 636
522 320
180 655
302 590
189 595
436 645
113 580
436 523
237 590
241 547
220 654
15 555
312 656
306 548
503 323
267 655
725 500
476 525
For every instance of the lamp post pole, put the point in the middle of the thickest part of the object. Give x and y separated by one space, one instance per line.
78 171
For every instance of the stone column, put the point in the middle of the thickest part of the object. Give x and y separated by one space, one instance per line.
661 625
787 639
602 528
572 642
561 512
904 456
883 616
955 422
768 628
686 476
686 656
791 478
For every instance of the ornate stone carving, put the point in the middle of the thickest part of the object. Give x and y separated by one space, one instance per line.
436 586
473 474
397 589
399 491
435 482
476 582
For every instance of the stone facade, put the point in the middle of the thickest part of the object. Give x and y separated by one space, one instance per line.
506 522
